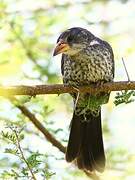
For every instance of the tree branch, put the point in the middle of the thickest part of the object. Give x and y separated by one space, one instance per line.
40 127
60 88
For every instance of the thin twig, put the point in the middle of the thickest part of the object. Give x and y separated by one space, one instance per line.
126 69
22 155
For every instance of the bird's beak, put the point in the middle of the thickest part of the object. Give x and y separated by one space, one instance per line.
61 47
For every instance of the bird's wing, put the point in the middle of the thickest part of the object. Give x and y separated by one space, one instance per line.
105 53
111 56
108 47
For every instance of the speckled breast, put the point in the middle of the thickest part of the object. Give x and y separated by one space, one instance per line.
83 71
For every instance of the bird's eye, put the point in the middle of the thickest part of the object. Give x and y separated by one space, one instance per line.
70 38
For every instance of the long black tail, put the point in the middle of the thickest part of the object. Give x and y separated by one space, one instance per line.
85 143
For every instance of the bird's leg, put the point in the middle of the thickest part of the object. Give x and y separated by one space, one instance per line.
32 96
78 94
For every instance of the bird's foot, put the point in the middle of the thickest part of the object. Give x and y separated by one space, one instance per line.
99 84
32 96
76 88
77 97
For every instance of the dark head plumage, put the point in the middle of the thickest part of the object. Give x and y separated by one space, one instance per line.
73 40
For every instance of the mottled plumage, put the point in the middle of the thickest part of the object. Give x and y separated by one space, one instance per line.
85 61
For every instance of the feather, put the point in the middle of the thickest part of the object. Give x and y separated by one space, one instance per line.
86 143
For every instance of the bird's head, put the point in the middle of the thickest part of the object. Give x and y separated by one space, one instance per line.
72 41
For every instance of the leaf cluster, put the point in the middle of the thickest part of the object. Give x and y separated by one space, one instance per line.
34 162
124 97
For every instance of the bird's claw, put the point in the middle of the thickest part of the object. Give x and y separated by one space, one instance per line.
99 83
32 96
76 88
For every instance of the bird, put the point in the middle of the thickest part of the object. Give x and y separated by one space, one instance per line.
86 60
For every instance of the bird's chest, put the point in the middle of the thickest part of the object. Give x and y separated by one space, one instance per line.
83 71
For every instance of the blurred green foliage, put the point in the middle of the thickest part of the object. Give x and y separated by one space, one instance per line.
26 166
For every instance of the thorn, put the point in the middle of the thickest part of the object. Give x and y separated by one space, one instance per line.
126 69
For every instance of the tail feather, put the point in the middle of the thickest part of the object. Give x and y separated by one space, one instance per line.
74 139
84 158
86 143
98 147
